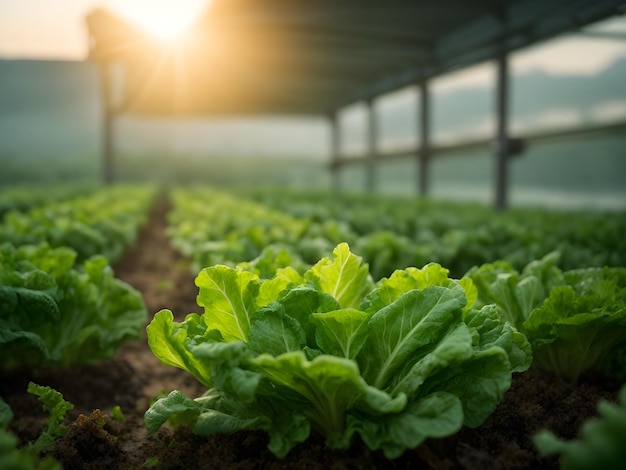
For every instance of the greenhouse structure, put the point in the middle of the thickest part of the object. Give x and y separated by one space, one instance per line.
276 57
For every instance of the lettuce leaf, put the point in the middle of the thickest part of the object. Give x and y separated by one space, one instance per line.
345 277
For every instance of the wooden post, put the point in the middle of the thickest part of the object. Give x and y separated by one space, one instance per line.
424 148
108 157
502 133
372 144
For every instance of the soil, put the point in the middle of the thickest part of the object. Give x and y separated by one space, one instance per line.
134 377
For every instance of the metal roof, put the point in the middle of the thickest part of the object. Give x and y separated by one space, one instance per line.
313 57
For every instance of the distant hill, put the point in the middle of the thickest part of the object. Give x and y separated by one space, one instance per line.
48 109
35 86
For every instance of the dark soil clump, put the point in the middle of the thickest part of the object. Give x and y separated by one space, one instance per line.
88 445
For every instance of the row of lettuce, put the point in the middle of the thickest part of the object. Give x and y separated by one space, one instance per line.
60 303
459 236
22 198
294 339
325 314
390 233
104 222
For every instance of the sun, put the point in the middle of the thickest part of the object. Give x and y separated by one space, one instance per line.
165 24
164 19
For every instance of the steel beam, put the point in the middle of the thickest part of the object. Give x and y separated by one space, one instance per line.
484 144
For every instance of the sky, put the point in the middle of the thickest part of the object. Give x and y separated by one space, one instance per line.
55 29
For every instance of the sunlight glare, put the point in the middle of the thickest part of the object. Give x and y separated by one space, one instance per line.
164 19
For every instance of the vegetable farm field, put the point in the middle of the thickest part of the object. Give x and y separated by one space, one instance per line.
269 328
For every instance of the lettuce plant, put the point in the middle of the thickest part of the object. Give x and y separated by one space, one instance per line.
53 313
572 318
329 351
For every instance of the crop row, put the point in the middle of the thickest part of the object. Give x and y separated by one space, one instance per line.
103 223
54 312
411 232
214 227
60 303
24 198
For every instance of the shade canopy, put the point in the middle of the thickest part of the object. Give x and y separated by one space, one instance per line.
313 57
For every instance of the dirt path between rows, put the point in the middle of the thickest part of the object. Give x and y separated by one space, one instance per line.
165 280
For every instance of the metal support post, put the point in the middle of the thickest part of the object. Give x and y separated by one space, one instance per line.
424 149
335 152
372 144
502 137
108 157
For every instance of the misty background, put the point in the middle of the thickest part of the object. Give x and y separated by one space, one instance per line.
50 122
